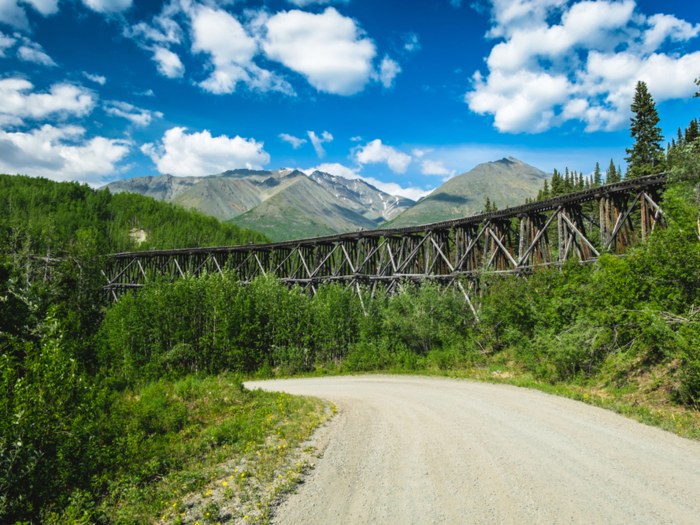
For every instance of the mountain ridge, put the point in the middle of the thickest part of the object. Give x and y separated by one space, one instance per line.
314 204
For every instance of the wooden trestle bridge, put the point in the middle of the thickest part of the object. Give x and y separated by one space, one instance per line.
456 253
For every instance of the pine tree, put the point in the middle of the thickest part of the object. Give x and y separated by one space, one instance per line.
646 156
611 174
692 132
487 207
596 176
545 190
557 184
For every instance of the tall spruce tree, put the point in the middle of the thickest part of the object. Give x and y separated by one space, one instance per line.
611 174
596 176
692 132
646 156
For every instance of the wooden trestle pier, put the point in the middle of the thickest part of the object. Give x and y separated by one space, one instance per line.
456 253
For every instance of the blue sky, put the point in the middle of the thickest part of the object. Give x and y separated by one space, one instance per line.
404 94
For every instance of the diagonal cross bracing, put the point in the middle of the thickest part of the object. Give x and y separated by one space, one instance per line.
454 253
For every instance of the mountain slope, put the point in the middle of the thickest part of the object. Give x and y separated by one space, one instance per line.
285 201
292 214
507 182
161 188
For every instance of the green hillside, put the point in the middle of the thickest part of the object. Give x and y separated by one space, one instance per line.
507 182
39 216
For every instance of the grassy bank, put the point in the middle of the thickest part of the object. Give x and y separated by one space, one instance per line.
197 450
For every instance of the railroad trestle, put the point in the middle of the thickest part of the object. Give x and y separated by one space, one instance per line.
456 253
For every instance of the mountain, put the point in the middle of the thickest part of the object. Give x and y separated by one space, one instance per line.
285 204
507 182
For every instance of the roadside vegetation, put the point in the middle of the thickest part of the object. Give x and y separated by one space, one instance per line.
135 412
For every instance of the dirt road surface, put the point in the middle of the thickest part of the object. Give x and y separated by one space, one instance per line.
408 450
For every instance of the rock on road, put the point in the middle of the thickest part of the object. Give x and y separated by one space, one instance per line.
410 450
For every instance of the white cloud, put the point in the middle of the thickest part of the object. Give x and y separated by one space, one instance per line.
157 37
420 152
318 141
337 169
435 167
375 152
356 139
232 50
6 42
559 62
388 71
17 103
52 152
98 79
304 3
329 49
197 154
291 139
391 188
138 116
13 14
147 93
33 52
168 63
108 6
411 42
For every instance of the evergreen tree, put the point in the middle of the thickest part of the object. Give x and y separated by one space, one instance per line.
611 174
557 184
646 156
596 176
545 190
692 132
487 207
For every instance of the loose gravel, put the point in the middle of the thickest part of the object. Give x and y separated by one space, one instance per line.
410 450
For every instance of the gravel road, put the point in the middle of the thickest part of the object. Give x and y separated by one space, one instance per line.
408 450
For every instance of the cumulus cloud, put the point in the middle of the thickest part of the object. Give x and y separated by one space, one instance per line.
196 154
232 50
32 52
376 152
337 169
435 167
18 103
291 139
15 15
108 6
388 71
318 141
557 62
411 42
392 188
420 152
6 42
138 116
157 37
60 153
168 63
97 79
329 49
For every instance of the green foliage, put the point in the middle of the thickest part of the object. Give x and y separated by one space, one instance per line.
646 156
42 217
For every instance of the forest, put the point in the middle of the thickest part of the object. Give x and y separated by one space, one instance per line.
96 398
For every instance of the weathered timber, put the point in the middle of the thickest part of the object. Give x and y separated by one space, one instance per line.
454 253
